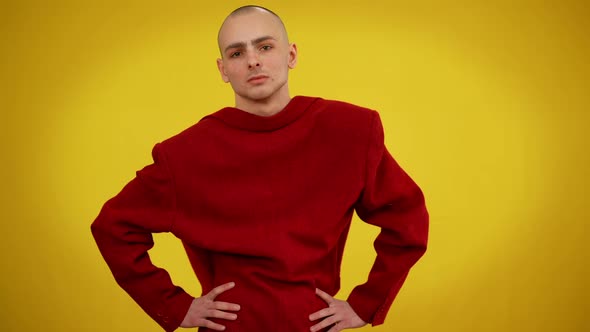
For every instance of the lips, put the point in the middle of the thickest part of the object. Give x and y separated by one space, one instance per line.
257 78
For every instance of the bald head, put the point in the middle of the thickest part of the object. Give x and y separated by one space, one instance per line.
250 10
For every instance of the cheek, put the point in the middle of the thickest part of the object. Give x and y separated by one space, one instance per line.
276 64
233 71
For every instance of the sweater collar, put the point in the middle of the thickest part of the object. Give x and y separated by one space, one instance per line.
240 119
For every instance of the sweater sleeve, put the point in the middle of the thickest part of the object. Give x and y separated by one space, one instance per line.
392 201
123 232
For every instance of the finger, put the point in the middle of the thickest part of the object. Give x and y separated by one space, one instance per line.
322 313
325 323
210 325
336 328
221 314
219 289
324 296
219 305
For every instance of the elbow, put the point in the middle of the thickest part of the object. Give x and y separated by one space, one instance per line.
98 228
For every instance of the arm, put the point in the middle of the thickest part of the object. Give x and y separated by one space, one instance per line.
392 201
123 232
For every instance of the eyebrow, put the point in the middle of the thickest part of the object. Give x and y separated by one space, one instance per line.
253 42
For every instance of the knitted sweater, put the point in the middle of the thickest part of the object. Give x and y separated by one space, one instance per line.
267 202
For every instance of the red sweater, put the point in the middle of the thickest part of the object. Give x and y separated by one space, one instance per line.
267 202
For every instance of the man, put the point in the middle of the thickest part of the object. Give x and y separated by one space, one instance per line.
262 195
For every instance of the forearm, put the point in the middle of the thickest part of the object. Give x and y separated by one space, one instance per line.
124 248
392 201
123 233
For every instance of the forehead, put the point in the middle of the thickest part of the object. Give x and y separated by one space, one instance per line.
244 27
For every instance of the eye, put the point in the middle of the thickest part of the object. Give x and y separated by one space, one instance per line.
266 47
235 54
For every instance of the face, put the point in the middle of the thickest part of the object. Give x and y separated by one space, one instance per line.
256 57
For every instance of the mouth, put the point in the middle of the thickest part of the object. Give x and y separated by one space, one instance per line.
257 79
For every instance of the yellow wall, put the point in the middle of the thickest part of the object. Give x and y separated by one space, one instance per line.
485 105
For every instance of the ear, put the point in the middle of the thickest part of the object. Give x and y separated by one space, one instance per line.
292 55
222 70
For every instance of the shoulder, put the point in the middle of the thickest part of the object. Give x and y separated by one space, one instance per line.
344 115
344 108
190 138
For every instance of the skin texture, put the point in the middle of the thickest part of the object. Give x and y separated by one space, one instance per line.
255 59
254 44
206 307
338 312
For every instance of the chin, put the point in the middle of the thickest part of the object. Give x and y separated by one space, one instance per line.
258 95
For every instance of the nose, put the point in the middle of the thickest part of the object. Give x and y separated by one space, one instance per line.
253 60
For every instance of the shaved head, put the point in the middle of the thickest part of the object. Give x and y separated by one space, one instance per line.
247 10
256 57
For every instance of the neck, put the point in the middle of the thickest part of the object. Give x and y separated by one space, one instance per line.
264 107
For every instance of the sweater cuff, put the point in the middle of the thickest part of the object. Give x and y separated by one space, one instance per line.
370 304
171 316
365 307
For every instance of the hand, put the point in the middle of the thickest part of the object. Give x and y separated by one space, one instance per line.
205 307
338 312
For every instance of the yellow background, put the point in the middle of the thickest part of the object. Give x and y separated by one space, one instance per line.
484 103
